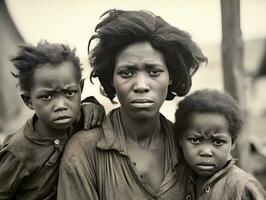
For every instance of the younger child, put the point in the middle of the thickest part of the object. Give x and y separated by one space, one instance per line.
207 125
49 77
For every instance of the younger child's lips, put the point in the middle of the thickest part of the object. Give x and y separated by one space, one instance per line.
206 166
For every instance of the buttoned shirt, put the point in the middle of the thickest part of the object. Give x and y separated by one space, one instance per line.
29 164
95 165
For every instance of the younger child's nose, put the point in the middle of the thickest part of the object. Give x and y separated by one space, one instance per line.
206 152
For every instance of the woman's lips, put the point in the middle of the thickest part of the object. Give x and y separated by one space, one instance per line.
141 103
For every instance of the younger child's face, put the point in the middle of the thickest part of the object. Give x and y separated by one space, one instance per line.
55 95
206 143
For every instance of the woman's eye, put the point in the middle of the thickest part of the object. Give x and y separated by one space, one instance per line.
46 97
194 140
218 142
126 73
70 93
154 72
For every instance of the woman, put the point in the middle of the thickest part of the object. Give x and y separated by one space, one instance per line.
143 60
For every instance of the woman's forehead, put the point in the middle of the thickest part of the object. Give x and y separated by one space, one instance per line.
137 53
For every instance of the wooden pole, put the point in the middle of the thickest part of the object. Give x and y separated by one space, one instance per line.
232 63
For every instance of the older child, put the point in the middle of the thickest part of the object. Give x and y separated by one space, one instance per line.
49 77
207 125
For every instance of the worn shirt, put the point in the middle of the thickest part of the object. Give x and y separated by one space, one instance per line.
95 165
230 183
29 164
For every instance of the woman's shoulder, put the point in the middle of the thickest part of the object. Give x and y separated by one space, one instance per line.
82 141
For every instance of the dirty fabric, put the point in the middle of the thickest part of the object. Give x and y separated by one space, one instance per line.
231 182
95 165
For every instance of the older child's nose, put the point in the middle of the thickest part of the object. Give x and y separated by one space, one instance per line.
59 104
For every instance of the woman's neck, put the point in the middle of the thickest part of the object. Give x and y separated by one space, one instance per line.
142 131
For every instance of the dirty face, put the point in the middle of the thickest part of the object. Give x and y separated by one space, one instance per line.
206 143
141 80
55 95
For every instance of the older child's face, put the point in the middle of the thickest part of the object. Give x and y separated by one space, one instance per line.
206 143
141 80
55 95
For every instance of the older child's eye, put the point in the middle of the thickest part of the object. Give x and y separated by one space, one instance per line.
46 97
194 140
70 93
218 142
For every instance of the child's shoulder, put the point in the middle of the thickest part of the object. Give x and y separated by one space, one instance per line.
241 175
15 139
19 146
248 184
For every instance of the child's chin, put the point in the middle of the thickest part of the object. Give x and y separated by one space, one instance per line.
62 126
205 173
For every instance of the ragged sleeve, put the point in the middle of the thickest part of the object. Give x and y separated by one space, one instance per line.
253 190
12 172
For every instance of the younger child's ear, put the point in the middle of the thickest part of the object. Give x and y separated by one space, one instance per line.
82 81
26 99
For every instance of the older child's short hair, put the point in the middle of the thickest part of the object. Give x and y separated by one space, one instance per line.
29 58
208 101
121 28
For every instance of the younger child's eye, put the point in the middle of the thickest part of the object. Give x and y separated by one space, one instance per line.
218 142
46 97
70 93
194 140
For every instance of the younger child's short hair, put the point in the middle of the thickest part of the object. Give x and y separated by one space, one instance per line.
29 58
209 101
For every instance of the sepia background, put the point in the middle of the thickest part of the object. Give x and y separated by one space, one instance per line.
73 22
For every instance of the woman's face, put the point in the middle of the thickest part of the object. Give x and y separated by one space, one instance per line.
141 80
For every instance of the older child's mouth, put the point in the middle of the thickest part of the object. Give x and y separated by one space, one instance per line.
62 120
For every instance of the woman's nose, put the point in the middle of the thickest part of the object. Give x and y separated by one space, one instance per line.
141 83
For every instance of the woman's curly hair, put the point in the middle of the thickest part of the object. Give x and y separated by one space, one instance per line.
120 28
208 101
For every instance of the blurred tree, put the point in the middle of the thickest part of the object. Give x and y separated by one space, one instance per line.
262 66
9 39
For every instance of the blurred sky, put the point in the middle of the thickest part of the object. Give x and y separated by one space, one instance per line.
72 22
